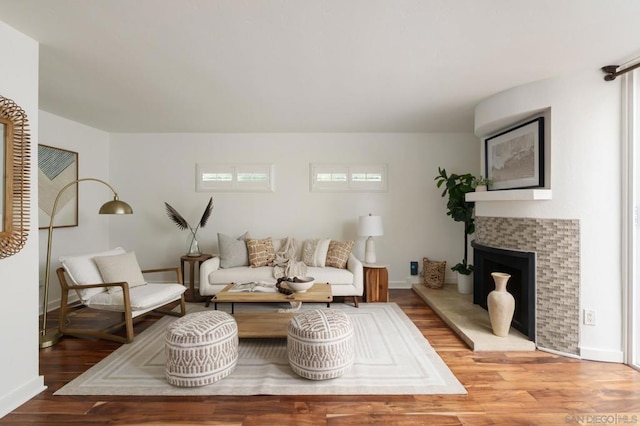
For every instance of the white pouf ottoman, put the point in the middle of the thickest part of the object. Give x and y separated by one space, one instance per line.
201 348
320 344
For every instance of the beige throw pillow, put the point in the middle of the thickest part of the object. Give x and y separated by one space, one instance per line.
119 268
261 252
314 252
338 254
233 251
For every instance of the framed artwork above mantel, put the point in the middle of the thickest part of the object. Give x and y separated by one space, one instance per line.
514 158
57 168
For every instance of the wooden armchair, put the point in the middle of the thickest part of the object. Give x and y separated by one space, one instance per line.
80 274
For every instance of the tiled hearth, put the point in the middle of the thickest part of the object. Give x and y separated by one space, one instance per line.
557 246
469 321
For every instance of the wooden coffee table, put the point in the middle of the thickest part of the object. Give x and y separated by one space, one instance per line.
268 324
263 324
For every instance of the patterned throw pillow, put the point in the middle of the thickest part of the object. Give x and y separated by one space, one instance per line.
261 252
314 252
338 254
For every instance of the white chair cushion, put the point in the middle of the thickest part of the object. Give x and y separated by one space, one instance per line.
143 298
83 270
119 268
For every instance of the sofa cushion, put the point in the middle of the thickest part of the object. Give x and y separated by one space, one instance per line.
338 253
244 274
83 270
261 252
314 252
233 251
333 276
119 268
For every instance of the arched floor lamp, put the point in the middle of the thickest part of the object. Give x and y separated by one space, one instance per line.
115 206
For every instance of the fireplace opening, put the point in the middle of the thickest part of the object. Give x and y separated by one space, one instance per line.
521 266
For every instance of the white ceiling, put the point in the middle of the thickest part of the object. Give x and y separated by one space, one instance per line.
307 65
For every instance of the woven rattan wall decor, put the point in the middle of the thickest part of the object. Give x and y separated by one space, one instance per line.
16 155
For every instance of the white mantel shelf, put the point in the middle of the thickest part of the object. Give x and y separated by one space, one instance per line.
510 195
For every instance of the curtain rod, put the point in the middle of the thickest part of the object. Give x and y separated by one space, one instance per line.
612 71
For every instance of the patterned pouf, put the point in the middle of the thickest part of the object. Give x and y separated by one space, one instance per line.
320 344
201 348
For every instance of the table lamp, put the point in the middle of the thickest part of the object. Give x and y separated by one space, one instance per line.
370 226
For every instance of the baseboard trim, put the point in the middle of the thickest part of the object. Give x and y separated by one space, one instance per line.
553 351
400 284
19 396
594 354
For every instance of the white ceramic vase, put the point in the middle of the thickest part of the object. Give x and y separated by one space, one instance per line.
465 283
501 305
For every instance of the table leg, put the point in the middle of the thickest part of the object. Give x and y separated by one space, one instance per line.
192 280
191 295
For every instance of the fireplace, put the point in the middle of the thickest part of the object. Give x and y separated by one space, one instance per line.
521 266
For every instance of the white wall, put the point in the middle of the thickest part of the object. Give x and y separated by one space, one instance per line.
92 232
586 183
149 169
19 379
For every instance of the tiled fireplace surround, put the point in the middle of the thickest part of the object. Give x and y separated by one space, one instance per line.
556 243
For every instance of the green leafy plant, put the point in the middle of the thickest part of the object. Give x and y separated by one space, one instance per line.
462 267
480 180
460 210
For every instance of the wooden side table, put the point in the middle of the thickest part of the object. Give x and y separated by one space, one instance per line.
376 283
191 295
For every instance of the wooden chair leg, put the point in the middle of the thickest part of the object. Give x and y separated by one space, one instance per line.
183 306
355 301
128 321
64 310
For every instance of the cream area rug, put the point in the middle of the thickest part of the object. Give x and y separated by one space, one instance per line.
392 358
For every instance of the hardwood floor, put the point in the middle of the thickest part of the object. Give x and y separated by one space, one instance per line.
504 388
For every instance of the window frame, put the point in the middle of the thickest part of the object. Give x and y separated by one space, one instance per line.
349 184
235 184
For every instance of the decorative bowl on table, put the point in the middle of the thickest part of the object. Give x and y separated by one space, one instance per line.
300 284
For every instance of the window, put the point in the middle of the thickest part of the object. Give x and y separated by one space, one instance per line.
234 177
348 177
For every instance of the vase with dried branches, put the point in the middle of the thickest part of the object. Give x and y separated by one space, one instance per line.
193 246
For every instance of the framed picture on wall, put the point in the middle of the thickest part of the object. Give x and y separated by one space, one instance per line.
57 168
514 158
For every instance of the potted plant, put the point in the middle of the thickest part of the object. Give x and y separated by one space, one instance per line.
460 210
480 183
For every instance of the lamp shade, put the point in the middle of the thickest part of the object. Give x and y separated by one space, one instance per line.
370 226
115 206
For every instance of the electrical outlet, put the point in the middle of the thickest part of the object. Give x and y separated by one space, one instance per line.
589 317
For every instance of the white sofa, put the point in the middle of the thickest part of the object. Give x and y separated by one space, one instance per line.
344 282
